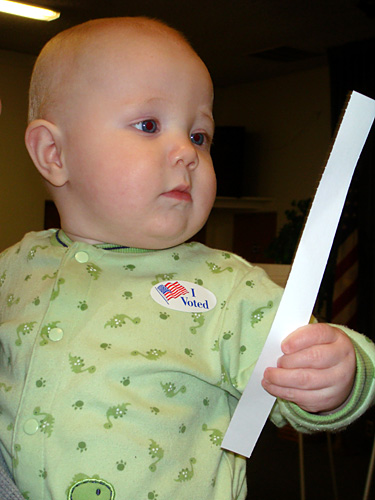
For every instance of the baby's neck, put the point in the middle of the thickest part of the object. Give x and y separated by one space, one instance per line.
77 237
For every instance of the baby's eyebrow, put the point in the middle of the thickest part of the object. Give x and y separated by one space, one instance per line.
151 100
141 101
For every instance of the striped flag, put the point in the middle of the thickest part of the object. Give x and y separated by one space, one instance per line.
344 306
171 290
344 302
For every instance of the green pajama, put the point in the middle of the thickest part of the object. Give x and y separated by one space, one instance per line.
120 368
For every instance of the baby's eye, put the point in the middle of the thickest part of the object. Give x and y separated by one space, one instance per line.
146 126
197 138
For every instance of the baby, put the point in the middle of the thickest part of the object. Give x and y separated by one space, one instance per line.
124 350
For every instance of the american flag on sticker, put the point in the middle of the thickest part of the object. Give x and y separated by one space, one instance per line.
171 290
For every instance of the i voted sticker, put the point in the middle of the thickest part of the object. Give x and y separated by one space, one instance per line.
183 296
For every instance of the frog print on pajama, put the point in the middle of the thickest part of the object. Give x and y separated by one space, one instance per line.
100 377
91 489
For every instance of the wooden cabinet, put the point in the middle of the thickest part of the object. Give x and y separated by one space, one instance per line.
245 226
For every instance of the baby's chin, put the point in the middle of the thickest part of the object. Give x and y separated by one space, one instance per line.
172 240
162 238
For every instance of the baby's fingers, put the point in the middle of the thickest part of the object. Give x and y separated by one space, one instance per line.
312 401
310 335
300 379
316 357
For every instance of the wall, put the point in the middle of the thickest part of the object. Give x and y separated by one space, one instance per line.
21 191
288 129
287 121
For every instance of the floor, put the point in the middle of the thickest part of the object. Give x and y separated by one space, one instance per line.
273 469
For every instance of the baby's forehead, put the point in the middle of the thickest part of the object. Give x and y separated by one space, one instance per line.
108 48
125 52
94 53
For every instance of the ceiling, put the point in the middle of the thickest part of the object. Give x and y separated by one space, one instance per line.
240 40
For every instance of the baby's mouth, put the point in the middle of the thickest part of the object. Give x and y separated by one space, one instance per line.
181 193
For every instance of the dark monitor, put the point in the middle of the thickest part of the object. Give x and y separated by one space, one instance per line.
228 155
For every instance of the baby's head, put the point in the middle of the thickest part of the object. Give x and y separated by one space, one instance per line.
120 129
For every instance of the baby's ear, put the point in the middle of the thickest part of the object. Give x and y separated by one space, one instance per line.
43 143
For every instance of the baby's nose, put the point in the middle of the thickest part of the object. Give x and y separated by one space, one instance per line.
183 152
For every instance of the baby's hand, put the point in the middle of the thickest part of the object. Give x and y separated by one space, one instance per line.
317 369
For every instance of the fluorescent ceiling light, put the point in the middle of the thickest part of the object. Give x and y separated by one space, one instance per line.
24 10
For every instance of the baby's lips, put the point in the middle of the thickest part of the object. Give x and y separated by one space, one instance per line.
181 192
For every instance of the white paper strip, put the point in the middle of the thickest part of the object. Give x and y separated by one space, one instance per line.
307 271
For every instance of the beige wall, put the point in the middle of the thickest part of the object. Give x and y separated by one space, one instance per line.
288 125
21 191
287 119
